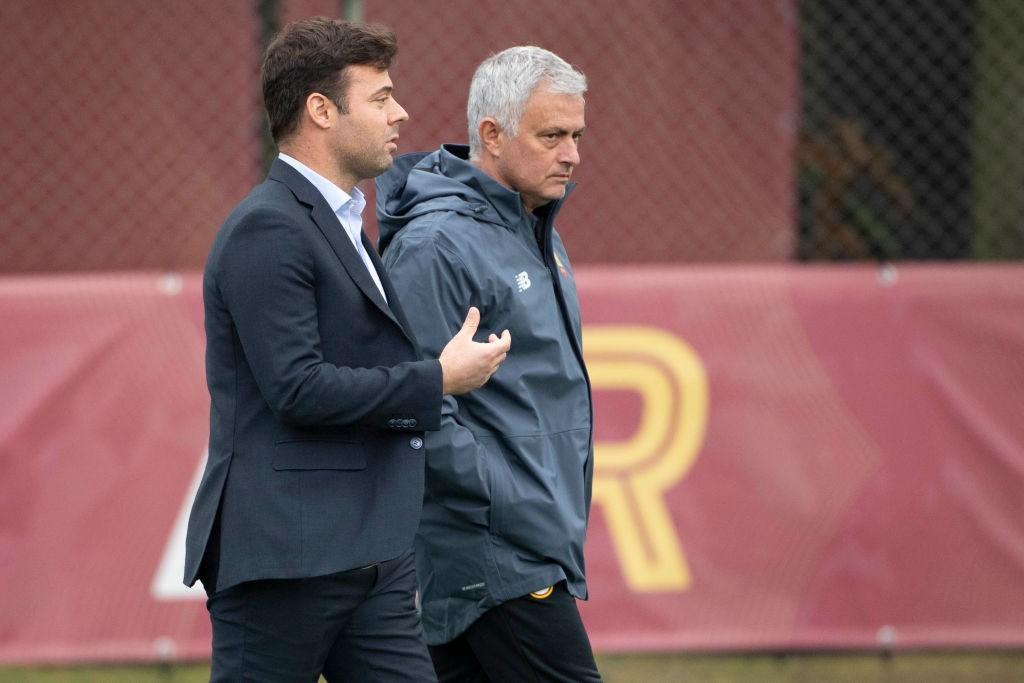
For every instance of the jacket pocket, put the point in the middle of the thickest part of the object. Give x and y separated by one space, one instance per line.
497 501
499 475
319 455
538 490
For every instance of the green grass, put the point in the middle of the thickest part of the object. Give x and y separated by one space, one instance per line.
914 667
930 667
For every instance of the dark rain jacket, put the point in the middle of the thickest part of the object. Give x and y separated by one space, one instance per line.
509 474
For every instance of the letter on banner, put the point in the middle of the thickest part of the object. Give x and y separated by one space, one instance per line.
630 477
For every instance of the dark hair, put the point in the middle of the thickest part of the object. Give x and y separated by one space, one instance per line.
310 56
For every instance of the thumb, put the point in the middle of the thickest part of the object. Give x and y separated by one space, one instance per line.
471 322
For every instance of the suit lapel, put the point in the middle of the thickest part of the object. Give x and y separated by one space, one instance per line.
334 233
395 307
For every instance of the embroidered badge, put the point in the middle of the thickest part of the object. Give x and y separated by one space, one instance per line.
561 268
543 593
523 281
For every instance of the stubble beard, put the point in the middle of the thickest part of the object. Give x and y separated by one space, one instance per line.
370 164
363 163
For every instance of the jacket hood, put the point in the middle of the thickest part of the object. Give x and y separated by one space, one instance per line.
424 182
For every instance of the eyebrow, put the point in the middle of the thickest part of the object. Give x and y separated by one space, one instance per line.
561 131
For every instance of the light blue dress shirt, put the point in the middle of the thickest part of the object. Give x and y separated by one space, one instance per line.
348 209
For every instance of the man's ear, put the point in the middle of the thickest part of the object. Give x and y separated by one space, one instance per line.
491 136
320 110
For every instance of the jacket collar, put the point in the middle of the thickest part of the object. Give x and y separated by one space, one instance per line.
332 230
453 161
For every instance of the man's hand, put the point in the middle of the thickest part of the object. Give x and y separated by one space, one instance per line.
467 365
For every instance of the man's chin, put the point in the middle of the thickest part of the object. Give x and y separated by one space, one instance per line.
383 164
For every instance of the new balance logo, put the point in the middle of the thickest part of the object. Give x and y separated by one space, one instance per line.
523 281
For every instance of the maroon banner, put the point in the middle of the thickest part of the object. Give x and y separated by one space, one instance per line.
787 457
842 464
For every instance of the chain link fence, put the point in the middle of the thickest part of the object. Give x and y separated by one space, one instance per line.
911 129
731 131
129 128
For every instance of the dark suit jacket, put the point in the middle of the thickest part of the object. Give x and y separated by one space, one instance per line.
318 398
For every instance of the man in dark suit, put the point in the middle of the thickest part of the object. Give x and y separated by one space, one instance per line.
303 525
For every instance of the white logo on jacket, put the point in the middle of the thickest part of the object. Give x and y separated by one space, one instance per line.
523 281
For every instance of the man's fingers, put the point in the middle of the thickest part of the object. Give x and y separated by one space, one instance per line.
503 343
471 322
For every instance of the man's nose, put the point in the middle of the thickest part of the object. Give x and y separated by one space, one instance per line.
398 114
569 153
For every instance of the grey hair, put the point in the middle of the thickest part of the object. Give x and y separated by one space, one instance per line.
504 82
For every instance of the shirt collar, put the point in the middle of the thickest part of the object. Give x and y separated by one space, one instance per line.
336 197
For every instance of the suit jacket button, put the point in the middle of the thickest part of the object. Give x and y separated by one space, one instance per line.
416 443
412 423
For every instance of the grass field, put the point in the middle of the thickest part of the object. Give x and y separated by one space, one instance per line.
915 667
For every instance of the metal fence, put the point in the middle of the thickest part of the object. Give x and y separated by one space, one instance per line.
911 129
128 130
732 131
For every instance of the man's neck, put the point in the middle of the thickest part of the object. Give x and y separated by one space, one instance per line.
318 162
486 164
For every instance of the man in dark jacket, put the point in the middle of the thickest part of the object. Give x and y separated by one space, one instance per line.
500 549
302 528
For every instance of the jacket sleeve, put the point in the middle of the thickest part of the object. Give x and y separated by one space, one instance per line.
437 289
265 276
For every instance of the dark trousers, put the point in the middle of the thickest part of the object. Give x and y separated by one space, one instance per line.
359 625
536 637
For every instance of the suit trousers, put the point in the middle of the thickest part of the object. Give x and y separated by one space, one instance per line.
358 625
536 638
